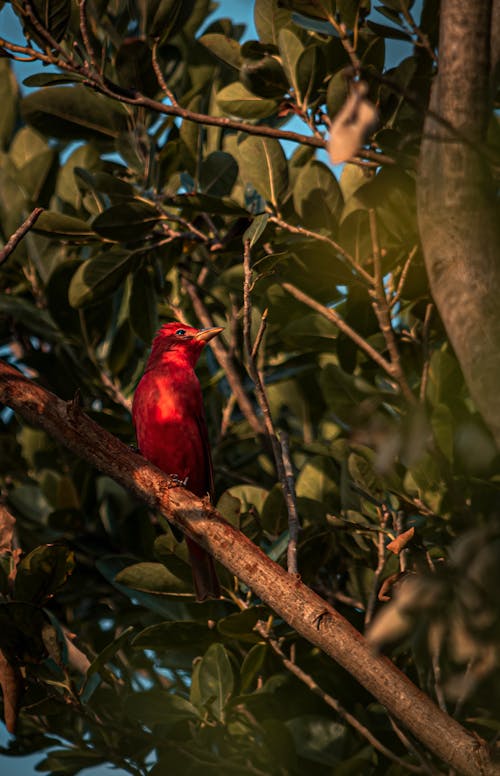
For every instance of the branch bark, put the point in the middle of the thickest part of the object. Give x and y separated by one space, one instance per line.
299 606
456 202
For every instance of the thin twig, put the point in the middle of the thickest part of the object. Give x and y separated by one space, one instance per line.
86 38
402 278
332 315
323 238
422 38
159 75
293 515
224 359
370 607
381 308
18 235
260 334
426 766
286 479
425 351
334 704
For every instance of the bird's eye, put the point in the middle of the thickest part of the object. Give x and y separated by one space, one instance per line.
180 332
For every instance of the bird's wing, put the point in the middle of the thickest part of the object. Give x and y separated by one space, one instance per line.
203 431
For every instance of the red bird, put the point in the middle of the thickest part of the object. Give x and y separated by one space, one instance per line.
170 425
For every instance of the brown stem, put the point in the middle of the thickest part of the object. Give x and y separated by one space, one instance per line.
18 235
382 310
224 359
295 603
332 315
286 479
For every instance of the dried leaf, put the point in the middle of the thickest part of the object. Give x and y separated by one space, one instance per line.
400 542
7 523
11 684
387 584
352 124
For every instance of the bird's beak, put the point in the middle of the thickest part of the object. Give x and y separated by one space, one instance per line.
205 335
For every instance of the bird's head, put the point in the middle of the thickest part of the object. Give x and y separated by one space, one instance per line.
181 341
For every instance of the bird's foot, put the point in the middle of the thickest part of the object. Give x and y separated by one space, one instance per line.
177 481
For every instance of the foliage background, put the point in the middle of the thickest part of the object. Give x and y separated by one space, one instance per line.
144 223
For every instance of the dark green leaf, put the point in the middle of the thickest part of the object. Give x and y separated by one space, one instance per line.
263 163
157 578
9 92
42 572
69 228
143 309
317 197
269 17
226 49
99 276
127 222
264 77
236 100
73 113
159 707
216 682
240 625
218 173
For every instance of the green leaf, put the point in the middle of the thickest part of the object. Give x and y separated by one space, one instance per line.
206 203
269 17
159 707
9 93
291 48
191 638
42 572
51 79
169 18
252 665
73 113
216 681
218 174
236 100
319 739
317 197
240 625
21 626
143 308
336 94
263 163
99 276
69 228
134 67
310 72
54 15
127 222
264 77
256 229
224 48
29 317
443 426
157 578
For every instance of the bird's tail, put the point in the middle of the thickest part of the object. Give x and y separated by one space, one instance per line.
206 584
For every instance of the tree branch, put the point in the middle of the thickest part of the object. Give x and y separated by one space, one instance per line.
18 235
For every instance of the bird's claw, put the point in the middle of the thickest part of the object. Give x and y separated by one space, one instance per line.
176 481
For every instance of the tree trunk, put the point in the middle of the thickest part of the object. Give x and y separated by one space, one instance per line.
456 200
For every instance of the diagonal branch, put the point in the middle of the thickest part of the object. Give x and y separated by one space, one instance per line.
295 603
18 235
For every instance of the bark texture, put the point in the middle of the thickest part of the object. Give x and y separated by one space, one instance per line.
457 210
299 606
